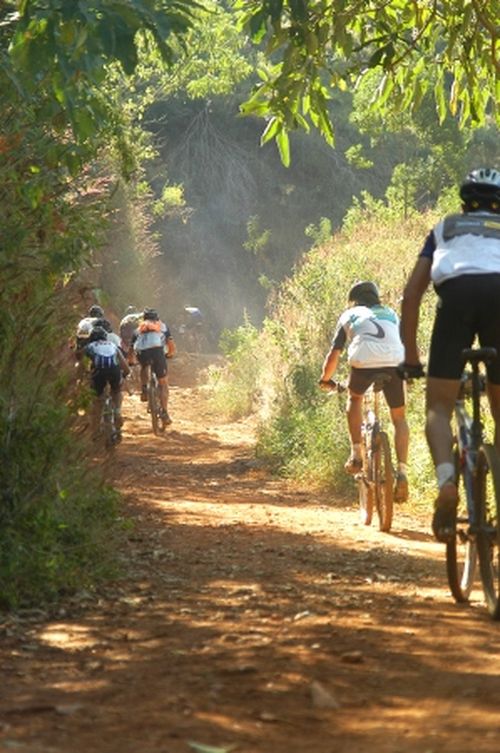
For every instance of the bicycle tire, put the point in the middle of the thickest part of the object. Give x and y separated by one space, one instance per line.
366 496
487 496
461 551
153 400
107 422
384 482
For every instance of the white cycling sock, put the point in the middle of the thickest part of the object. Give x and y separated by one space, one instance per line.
403 468
445 472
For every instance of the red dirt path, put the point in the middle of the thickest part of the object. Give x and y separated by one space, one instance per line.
253 616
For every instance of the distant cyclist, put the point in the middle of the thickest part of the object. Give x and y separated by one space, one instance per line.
191 327
461 257
112 336
153 343
128 326
107 366
85 326
370 331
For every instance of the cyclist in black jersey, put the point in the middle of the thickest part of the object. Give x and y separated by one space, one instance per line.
461 257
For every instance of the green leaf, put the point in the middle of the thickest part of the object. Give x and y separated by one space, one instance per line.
270 130
200 748
283 143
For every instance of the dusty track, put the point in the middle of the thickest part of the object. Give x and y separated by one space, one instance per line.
253 616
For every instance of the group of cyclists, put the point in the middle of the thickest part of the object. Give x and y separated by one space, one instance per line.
461 258
143 338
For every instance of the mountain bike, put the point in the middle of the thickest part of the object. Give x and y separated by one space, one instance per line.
477 466
375 480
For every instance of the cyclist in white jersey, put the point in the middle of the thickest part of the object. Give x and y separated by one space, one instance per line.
371 332
461 258
153 344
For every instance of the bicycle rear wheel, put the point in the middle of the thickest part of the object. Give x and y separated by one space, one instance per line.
384 481
461 552
487 496
109 431
153 403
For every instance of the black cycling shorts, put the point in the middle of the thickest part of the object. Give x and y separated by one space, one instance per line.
394 393
99 378
154 357
467 306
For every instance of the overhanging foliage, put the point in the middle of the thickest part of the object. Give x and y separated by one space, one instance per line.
316 45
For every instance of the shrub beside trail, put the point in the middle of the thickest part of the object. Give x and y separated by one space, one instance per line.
274 371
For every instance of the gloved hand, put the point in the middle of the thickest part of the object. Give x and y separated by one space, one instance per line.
410 370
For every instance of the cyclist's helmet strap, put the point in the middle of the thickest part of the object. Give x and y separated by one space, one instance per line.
481 190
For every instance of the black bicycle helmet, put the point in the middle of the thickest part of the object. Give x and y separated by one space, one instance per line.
364 294
104 324
151 315
98 333
481 188
96 311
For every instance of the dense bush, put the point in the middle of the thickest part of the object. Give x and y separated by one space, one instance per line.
303 432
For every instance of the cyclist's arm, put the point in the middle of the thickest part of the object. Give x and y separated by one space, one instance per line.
122 362
171 348
330 364
415 288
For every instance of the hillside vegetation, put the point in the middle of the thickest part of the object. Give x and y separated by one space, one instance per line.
275 370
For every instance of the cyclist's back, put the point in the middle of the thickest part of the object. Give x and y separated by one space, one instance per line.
150 341
370 331
85 326
129 324
108 364
461 258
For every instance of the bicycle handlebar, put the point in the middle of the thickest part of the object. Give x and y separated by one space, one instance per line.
330 385
408 371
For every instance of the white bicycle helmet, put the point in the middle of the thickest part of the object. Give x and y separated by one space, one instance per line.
481 185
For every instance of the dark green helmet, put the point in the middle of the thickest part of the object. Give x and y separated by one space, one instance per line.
364 294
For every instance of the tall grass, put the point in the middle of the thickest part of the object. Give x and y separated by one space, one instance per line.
57 515
303 432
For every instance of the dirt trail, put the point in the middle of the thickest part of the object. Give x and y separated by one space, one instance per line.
254 616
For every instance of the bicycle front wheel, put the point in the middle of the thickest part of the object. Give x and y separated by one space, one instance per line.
365 494
384 481
461 552
487 496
